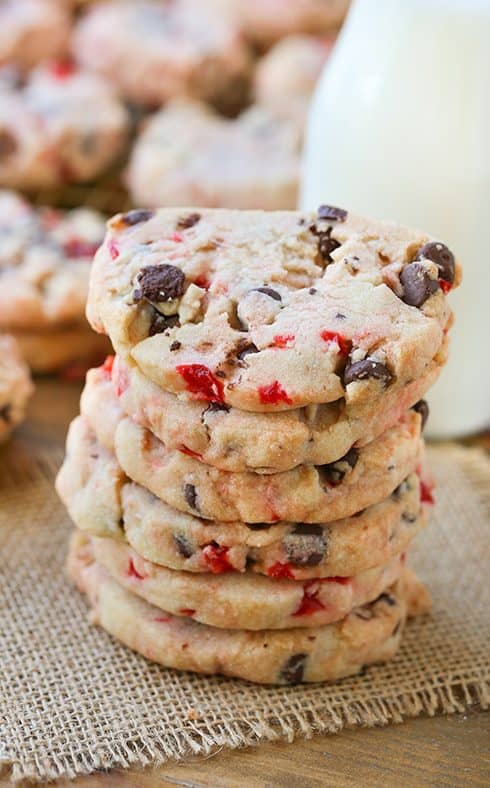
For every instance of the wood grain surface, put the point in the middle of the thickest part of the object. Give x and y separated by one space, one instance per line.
442 751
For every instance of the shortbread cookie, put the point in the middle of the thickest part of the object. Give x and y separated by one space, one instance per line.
235 440
62 126
155 51
308 493
267 21
243 601
102 501
188 155
285 77
32 31
45 259
15 386
69 349
272 311
369 634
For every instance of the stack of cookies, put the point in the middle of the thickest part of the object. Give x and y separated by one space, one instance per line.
247 473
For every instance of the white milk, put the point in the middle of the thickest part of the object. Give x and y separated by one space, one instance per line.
400 129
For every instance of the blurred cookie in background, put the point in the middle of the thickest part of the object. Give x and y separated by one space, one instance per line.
15 386
266 21
33 30
155 51
45 259
61 125
286 76
188 155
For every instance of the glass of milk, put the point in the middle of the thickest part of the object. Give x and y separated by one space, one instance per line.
399 129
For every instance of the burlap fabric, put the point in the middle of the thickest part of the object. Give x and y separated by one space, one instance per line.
72 700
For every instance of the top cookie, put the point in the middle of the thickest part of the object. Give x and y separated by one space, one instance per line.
45 258
155 51
271 311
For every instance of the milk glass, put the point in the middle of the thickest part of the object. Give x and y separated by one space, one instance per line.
399 129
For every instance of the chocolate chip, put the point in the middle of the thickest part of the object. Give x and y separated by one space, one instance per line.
293 670
175 345
158 283
184 547
190 495
258 526
409 517
8 144
244 348
366 369
385 597
417 284
160 323
188 221
339 316
268 291
440 255
330 213
312 291
136 217
334 472
327 245
6 413
216 407
422 408
306 545
402 489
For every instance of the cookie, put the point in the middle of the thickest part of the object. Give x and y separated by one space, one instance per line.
32 31
102 501
369 634
45 259
267 21
286 76
272 311
233 600
188 155
69 350
307 493
235 440
153 52
47 137
15 386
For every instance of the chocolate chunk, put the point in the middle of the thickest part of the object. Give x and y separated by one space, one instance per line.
160 323
258 526
417 284
175 345
6 413
366 369
334 472
327 245
136 217
293 669
188 221
190 495
306 545
184 547
8 144
244 348
385 597
340 316
268 291
440 255
423 408
158 283
330 213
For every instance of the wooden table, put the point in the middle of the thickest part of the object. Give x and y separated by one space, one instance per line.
442 751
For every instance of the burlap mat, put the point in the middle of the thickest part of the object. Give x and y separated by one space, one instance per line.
72 700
